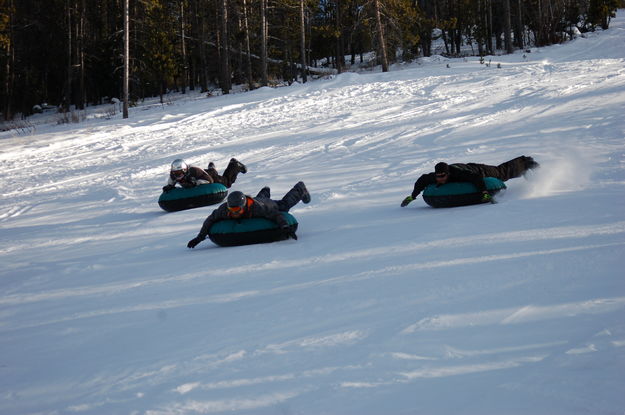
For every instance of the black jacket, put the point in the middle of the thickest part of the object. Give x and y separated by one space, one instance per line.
458 172
192 178
256 208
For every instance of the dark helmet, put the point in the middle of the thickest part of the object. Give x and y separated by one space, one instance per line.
236 200
179 168
441 168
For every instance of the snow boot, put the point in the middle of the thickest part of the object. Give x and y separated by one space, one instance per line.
530 163
240 166
304 192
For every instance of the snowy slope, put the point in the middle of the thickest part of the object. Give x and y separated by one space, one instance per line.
513 308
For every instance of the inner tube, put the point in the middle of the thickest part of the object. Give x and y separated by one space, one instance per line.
459 193
188 198
235 232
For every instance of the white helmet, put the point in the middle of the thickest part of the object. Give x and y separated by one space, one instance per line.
179 168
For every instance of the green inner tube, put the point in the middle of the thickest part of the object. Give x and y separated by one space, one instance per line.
459 193
193 197
233 232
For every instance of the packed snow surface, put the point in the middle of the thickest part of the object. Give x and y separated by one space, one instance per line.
508 308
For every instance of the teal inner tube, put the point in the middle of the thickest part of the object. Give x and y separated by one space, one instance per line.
234 232
459 193
193 197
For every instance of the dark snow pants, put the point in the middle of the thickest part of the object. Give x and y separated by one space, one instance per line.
229 176
290 199
505 171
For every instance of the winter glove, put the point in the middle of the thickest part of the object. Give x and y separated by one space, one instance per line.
193 242
168 188
288 233
407 200
486 197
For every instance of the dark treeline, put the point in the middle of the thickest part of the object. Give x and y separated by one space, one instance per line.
69 53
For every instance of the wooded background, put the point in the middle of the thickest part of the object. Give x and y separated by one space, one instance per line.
69 53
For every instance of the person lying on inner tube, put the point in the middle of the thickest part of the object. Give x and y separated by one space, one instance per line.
190 176
472 173
241 206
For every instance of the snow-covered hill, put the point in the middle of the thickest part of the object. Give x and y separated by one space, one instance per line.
513 308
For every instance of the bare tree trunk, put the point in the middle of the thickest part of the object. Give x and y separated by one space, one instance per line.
238 73
452 29
200 25
507 26
340 56
518 34
83 93
126 55
378 21
286 63
7 105
308 46
135 39
185 66
425 35
248 62
539 40
68 90
446 42
489 25
302 21
226 83
551 38
480 38
263 43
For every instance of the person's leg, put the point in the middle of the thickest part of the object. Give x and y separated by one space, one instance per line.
212 172
515 167
293 196
484 170
230 174
265 193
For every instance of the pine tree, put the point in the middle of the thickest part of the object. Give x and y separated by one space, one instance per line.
7 57
158 49
600 12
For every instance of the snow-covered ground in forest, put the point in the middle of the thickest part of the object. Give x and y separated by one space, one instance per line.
512 308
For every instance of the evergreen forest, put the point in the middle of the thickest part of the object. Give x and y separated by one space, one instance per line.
71 54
